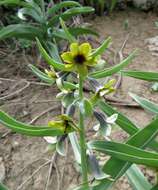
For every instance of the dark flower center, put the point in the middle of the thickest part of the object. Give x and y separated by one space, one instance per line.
80 59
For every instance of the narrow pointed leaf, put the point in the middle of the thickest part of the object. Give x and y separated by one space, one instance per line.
69 14
143 75
115 167
75 146
125 152
69 86
126 124
57 7
100 50
12 2
67 33
137 179
21 31
48 59
60 146
27 129
44 77
114 69
77 31
95 168
146 104
30 12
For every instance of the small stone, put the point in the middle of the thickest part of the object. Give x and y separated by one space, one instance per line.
15 144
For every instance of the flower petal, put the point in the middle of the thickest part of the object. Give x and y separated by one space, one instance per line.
69 67
67 57
85 49
74 49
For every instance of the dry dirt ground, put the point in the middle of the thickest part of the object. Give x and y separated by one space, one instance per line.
25 160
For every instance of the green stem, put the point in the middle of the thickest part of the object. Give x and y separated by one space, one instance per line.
83 141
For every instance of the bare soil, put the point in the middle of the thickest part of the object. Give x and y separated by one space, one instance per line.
21 156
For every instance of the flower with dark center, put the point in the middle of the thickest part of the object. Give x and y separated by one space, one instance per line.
79 58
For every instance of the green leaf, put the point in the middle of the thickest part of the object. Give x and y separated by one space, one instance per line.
3 187
137 179
75 146
69 86
30 12
70 38
149 76
21 31
125 152
44 77
100 50
69 14
12 2
115 167
122 121
113 3
146 104
114 69
95 168
57 7
86 107
52 48
126 124
60 147
77 31
48 59
29 130
68 99
155 187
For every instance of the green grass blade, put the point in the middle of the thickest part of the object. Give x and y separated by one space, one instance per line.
48 59
149 76
146 104
114 69
44 77
115 167
137 179
29 130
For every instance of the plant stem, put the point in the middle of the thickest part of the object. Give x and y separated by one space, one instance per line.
83 140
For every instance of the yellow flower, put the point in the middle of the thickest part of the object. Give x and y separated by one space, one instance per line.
107 88
51 73
79 58
65 123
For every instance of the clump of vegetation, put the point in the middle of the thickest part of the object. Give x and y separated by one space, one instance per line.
41 19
